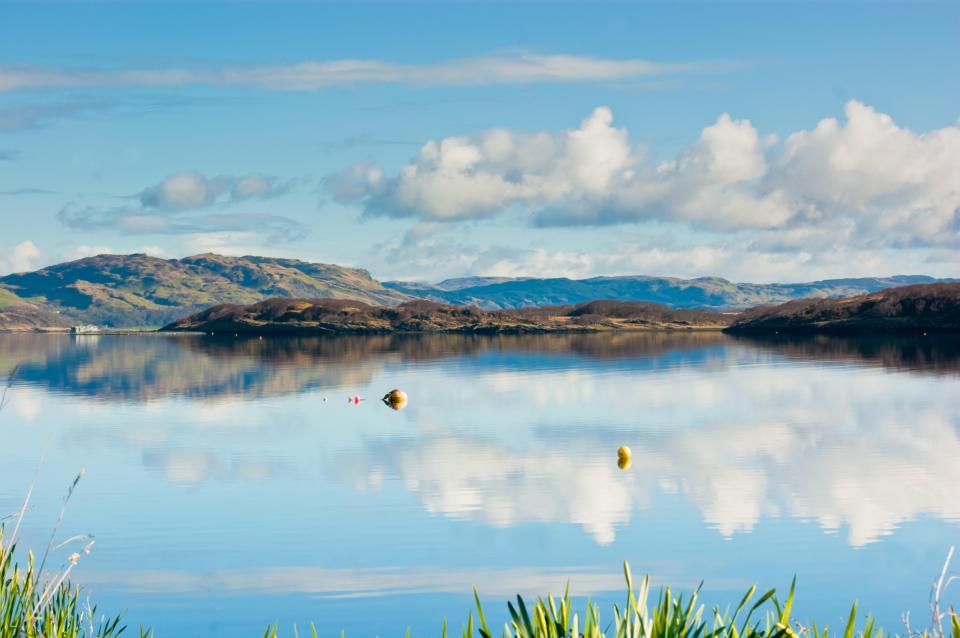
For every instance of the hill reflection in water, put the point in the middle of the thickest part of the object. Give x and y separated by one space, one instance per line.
149 367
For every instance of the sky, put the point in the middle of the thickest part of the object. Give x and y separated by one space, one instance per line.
759 142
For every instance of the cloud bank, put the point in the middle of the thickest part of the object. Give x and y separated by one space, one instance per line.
862 182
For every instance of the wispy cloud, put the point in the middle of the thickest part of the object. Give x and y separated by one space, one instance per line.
371 581
27 191
316 75
32 116
7 155
135 221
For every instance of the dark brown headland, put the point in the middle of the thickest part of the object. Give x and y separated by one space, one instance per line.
335 316
927 308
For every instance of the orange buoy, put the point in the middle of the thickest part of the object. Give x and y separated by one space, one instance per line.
396 399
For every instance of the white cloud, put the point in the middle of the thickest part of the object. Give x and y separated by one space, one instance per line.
84 250
23 257
190 190
866 181
153 251
223 243
310 76
477 176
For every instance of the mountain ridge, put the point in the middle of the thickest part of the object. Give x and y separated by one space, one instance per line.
712 293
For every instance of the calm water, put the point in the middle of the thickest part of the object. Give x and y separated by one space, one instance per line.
230 483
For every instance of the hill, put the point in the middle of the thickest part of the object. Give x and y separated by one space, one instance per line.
139 290
17 315
7 298
714 293
336 316
922 308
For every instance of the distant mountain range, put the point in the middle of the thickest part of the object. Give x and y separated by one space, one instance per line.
711 293
139 290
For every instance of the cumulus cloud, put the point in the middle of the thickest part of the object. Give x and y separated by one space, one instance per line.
189 190
316 75
23 257
180 205
865 180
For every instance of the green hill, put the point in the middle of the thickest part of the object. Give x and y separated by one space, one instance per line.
8 299
17 315
139 290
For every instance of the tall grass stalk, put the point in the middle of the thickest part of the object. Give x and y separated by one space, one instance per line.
31 607
34 607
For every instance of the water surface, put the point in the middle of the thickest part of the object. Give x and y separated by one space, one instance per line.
229 482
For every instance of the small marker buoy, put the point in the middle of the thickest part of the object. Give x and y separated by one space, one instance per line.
623 457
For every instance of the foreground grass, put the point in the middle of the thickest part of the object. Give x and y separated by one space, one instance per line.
29 609
672 616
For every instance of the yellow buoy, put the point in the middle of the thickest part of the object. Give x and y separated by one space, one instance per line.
623 457
396 399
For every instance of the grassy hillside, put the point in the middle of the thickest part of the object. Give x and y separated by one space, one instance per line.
332 316
8 299
18 315
922 309
705 292
132 290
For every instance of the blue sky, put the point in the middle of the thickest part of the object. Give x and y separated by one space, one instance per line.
443 139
